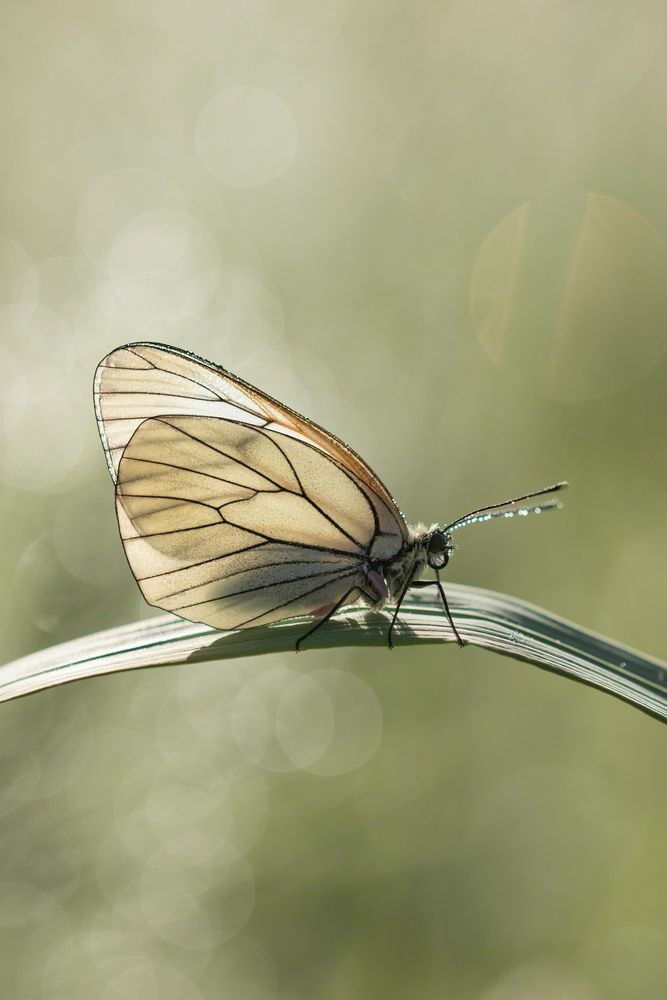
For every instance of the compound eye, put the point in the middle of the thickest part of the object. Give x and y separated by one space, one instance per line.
438 550
437 543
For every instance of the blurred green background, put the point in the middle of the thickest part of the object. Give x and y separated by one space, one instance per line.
439 229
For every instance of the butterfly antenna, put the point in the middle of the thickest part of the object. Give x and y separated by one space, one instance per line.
493 510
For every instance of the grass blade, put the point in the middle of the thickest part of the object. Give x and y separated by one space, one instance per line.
493 621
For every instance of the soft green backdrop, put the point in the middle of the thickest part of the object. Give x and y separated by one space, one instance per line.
440 229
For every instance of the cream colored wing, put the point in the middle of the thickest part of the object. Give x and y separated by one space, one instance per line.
235 525
144 380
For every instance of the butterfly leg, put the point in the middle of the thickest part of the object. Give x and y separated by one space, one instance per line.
409 583
322 621
429 583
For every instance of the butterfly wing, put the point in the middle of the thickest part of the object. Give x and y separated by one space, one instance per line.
233 509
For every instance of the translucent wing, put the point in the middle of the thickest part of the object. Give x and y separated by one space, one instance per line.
233 510
150 380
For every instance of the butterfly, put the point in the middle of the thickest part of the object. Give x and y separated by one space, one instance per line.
236 511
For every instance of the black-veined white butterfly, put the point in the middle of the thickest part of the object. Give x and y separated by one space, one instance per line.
236 511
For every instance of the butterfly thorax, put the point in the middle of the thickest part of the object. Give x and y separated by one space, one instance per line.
387 580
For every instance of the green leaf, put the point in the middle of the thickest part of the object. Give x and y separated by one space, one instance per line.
484 618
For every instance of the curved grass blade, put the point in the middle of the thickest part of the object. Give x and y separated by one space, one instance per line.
484 618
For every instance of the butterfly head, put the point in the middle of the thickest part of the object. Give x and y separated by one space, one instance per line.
438 548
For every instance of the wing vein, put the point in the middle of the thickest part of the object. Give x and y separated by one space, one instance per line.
222 399
201 562
232 458
300 597
209 475
310 499
179 500
263 586
228 576
267 437
155 392
141 358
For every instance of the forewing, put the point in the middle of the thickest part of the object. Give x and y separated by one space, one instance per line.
150 380
234 525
